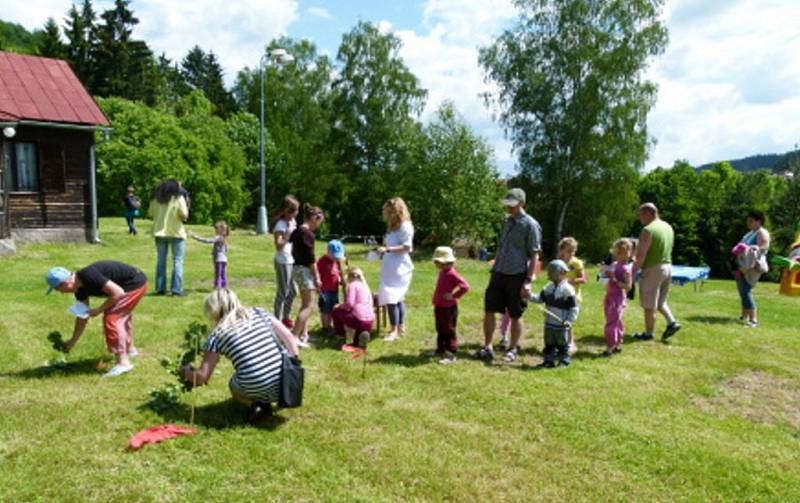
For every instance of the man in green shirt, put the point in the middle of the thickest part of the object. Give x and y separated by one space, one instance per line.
654 260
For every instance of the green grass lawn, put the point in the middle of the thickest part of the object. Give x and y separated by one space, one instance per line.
713 416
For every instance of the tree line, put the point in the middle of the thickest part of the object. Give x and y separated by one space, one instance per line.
344 132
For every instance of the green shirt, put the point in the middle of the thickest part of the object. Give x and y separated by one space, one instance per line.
662 238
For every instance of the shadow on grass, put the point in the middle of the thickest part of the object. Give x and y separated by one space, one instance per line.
715 320
219 416
78 367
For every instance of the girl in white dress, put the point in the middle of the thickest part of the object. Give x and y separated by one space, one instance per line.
396 266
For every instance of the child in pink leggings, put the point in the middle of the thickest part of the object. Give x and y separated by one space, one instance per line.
620 280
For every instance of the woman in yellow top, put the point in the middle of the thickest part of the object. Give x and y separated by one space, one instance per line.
567 249
169 211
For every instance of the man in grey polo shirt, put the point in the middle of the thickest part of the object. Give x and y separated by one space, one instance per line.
514 269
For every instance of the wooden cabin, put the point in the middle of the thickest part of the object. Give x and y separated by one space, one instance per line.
48 123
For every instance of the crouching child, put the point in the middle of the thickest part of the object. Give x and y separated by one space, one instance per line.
561 311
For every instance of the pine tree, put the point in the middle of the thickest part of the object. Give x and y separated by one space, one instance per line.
112 51
80 31
50 44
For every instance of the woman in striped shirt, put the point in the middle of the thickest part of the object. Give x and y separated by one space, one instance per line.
247 336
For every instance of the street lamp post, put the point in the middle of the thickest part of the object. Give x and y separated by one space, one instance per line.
276 56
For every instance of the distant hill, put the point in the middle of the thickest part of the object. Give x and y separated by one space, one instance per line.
769 162
15 38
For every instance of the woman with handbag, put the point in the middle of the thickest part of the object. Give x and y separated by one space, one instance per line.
257 344
751 263
132 211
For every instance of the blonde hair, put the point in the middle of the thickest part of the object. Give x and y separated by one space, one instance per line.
395 212
221 224
223 307
355 273
622 244
568 242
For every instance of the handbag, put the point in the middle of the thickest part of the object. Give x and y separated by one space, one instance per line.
292 375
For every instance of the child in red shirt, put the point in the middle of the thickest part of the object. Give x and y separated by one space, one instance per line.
449 288
330 275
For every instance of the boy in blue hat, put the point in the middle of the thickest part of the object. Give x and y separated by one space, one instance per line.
330 275
561 311
122 286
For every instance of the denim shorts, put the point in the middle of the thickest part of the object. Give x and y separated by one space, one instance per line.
327 300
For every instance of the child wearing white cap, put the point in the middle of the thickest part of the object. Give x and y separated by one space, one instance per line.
450 287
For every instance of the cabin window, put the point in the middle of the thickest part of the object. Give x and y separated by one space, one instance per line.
23 171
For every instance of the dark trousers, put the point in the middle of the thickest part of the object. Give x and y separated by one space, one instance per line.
446 319
130 220
556 345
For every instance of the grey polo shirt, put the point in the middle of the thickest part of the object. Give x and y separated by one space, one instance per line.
521 235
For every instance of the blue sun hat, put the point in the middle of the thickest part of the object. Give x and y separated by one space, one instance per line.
336 249
55 277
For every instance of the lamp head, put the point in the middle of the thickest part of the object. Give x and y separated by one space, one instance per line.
9 132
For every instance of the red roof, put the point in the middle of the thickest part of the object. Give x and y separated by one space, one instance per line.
44 89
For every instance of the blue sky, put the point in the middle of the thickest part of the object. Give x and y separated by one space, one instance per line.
729 82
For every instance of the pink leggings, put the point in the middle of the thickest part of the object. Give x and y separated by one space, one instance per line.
613 329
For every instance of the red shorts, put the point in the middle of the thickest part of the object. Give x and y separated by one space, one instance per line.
118 321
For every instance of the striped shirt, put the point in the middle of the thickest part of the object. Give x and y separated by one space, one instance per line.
256 357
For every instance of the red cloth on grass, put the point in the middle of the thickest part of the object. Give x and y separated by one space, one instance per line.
157 434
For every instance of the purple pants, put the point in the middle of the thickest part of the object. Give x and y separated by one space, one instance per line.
220 275
613 330
343 318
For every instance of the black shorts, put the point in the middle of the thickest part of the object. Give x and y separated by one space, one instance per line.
502 295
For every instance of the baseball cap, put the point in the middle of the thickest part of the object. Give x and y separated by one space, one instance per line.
336 248
514 197
55 277
557 266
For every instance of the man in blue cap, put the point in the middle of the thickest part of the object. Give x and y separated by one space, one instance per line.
122 286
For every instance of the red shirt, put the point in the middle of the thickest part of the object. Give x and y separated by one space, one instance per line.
329 273
449 282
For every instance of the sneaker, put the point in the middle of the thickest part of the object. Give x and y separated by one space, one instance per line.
393 336
510 357
133 354
288 324
485 354
503 342
573 348
549 365
301 342
363 339
617 350
671 330
258 410
565 363
179 294
643 336
118 370
607 353
752 324
448 359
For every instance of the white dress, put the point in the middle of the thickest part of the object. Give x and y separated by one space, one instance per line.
396 267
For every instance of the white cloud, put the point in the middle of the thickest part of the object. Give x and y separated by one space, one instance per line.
236 31
445 58
729 83
320 12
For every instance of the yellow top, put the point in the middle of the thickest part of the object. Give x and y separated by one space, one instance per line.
168 218
576 270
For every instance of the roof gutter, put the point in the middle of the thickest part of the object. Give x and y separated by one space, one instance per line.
59 125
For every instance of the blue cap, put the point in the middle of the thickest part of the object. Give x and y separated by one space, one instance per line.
336 248
55 277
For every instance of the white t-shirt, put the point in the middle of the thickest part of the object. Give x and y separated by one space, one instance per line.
287 228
